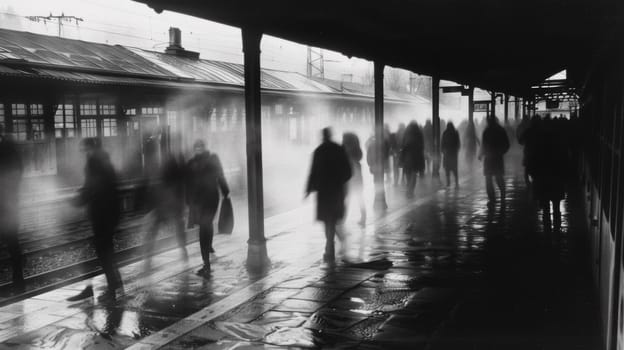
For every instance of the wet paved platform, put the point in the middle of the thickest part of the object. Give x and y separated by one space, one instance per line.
443 271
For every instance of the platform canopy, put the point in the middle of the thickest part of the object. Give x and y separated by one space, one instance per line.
503 45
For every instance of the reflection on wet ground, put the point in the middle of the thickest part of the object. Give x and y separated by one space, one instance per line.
446 273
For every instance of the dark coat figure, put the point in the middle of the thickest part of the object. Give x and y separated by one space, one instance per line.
427 133
548 168
471 144
329 174
493 148
11 170
396 142
450 149
351 144
204 180
412 155
99 194
169 203
523 135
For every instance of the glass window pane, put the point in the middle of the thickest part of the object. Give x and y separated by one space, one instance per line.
18 109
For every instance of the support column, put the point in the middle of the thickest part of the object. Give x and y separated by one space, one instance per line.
435 119
492 103
471 106
516 108
380 192
524 109
257 257
506 113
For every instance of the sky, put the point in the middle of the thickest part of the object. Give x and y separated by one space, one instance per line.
129 23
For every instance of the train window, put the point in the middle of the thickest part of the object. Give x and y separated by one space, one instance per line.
130 111
172 120
88 109
109 127
88 127
151 110
18 109
64 122
36 109
38 132
106 109
19 129
279 109
2 116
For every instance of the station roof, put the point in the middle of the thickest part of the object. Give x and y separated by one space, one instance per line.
29 55
503 45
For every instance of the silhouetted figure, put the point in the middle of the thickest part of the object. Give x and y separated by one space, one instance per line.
471 144
11 170
99 194
329 174
450 148
204 180
427 132
168 204
351 144
529 137
549 163
396 141
374 163
522 134
494 145
412 155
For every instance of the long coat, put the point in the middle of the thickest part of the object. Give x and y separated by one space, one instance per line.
450 148
204 180
412 152
329 174
494 145
99 192
10 176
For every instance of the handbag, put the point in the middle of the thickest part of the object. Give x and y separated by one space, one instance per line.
226 217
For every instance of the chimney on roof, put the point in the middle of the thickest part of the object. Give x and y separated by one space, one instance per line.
175 45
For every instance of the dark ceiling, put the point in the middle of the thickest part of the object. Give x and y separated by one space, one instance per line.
503 45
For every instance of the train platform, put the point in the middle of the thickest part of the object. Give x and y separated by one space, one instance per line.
442 271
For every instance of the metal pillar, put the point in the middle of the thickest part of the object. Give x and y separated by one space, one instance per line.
471 106
506 113
380 192
257 257
492 103
516 108
435 118
524 109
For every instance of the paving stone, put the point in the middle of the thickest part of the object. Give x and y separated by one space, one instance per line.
297 305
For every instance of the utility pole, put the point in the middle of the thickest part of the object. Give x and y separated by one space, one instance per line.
58 19
315 63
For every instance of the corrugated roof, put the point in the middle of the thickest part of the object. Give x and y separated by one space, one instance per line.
88 62
53 51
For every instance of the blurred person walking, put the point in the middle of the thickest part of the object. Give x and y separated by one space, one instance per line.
99 194
412 156
548 167
427 132
396 141
351 144
450 148
11 169
471 142
494 145
329 174
205 178
168 205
